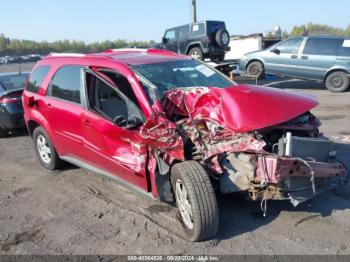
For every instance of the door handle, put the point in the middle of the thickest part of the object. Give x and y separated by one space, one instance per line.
304 57
294 56
49 105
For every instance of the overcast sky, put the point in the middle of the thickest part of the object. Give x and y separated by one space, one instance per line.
97 20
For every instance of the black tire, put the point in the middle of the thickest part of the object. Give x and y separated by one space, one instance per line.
256 69
337 82
222 38
201 198
3 133
196 52
218 58
55 162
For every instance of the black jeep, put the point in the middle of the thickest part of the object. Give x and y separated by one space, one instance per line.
208 39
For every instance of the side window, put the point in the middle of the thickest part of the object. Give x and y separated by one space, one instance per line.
66 84
107 100
198 29
183 32
290 46
170 34
322 46
36 78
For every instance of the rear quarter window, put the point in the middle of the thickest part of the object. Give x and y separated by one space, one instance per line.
36 78
198 29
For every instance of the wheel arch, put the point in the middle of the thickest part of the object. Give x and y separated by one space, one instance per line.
192 45
332 70
255 60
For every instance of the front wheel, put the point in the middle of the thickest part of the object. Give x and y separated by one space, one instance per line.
195 199
337 82
256 69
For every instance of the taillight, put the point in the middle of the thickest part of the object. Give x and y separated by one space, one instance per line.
9 99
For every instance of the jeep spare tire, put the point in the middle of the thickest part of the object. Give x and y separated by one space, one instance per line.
222 38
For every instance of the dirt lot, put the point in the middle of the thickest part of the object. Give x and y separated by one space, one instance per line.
76 212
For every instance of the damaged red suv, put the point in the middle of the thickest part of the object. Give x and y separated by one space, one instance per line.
172 128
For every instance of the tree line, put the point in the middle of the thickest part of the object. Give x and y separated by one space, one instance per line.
317 29
25 47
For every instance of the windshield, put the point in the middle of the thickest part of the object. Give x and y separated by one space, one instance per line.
181 73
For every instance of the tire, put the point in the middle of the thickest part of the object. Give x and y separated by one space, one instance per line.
256 69
41 139
196 52
222 38
337 82
3 133
204 222
218 58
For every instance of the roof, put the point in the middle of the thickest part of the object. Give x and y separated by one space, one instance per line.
129 56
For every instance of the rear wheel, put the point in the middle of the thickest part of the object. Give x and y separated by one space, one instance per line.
337 81
256 69
45 150
3 132
196 53
196 200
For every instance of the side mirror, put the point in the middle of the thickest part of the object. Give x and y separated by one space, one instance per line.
164 40
131 122
276 51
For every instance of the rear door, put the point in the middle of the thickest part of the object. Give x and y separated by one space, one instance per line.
62 109
284 58
183 38
111 148
318 56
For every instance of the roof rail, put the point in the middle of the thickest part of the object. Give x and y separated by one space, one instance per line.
142 50
66 55
132 49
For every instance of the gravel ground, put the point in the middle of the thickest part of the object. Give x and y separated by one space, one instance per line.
73 211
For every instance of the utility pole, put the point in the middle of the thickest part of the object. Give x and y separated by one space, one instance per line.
194 11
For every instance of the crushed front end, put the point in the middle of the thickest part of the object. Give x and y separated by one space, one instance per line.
275 160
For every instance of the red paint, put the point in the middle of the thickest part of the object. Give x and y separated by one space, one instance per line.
240 108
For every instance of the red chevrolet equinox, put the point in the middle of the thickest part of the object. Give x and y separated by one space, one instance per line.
174 129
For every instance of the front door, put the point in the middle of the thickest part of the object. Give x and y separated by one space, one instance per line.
170 40
284 59
109 143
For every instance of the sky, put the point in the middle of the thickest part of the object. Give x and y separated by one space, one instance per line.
98 20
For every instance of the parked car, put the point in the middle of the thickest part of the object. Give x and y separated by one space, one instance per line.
321 58
11 109
208 39
174 129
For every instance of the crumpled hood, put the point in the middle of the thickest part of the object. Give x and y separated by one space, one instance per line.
240 108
